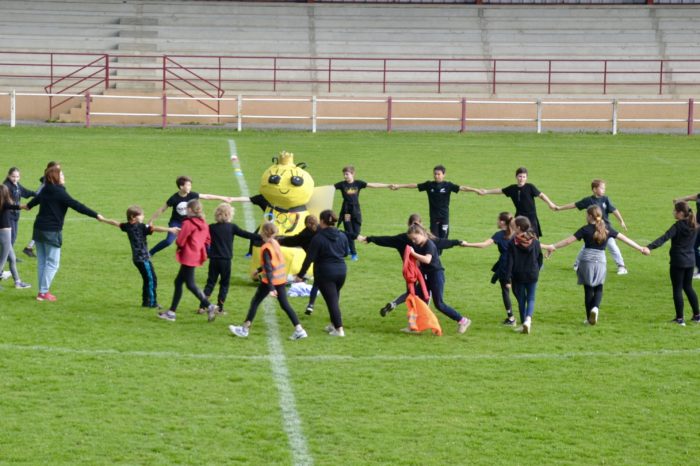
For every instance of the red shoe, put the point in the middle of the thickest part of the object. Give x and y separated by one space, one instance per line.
45 297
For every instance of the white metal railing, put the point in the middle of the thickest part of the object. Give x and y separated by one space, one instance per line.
314 117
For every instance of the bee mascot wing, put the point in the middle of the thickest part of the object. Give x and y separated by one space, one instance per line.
321 199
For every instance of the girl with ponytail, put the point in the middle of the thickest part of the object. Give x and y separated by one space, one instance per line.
592 266
501 239
682 235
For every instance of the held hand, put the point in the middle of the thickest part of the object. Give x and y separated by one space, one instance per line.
481 192
174 230
273 293
298 279
347 217
100 218
646 251
362 239
624 227
393 187
464 244
508 285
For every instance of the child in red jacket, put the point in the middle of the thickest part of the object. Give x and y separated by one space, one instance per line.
192 242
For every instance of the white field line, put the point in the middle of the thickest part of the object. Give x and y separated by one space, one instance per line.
107 352
290 416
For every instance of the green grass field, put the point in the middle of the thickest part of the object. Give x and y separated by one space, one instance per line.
95 379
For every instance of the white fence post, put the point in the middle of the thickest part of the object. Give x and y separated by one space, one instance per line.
313 113
13 108
614 117
239 103
539 116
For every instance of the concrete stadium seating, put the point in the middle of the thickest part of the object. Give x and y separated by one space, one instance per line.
140 29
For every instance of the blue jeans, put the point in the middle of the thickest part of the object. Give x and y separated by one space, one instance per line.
435 282
525 294
170 239
48 261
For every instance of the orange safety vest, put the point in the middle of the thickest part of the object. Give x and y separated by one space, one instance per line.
279 269
420 317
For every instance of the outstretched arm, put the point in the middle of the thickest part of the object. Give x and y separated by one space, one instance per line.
551 204
618 215
157 213
213 197
108 221
379 185
405 185
550 248
691 197
566 206
632 244
173 230
483 244
490 191
469 189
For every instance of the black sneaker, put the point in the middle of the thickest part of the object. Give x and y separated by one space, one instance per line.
510 321
387 309
309 310
29 252
696 319
680 322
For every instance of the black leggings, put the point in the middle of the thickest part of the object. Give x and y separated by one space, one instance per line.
505 294
682 281
218 268
330 286
186 276
352 230
261 293
592 295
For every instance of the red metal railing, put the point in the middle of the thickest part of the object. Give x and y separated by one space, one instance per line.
211 75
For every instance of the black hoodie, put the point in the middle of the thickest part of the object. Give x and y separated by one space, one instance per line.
682 238
327 251
524 259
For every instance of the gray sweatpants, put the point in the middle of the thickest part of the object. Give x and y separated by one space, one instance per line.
6 251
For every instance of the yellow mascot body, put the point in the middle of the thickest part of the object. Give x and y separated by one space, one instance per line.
290 192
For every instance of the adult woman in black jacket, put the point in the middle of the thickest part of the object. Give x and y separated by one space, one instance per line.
682 235
53 202
327 251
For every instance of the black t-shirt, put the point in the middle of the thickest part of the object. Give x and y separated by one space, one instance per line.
429 248
222 239
586 233
603 202
523 198
351 196
439 198
179 205
137 233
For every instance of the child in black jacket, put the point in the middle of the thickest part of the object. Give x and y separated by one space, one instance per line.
523 269
682 235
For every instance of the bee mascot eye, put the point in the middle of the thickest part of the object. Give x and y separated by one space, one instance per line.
297 180
274 179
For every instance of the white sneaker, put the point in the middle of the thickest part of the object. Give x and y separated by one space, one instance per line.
622 271
576 267
212 310
527 325
593 316
337 332
238 330
329 328
298 334
5 275
463 325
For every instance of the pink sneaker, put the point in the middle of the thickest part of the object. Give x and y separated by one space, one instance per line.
45 297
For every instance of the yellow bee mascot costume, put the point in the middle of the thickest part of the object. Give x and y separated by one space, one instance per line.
291 196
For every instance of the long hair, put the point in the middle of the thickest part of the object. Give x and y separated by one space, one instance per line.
328 217
52 175
688 217
414 218
417 228
506 218
268 231
523 231
5 197
601 233
196 207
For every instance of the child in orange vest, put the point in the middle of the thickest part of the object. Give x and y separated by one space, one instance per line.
273 278
192 242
